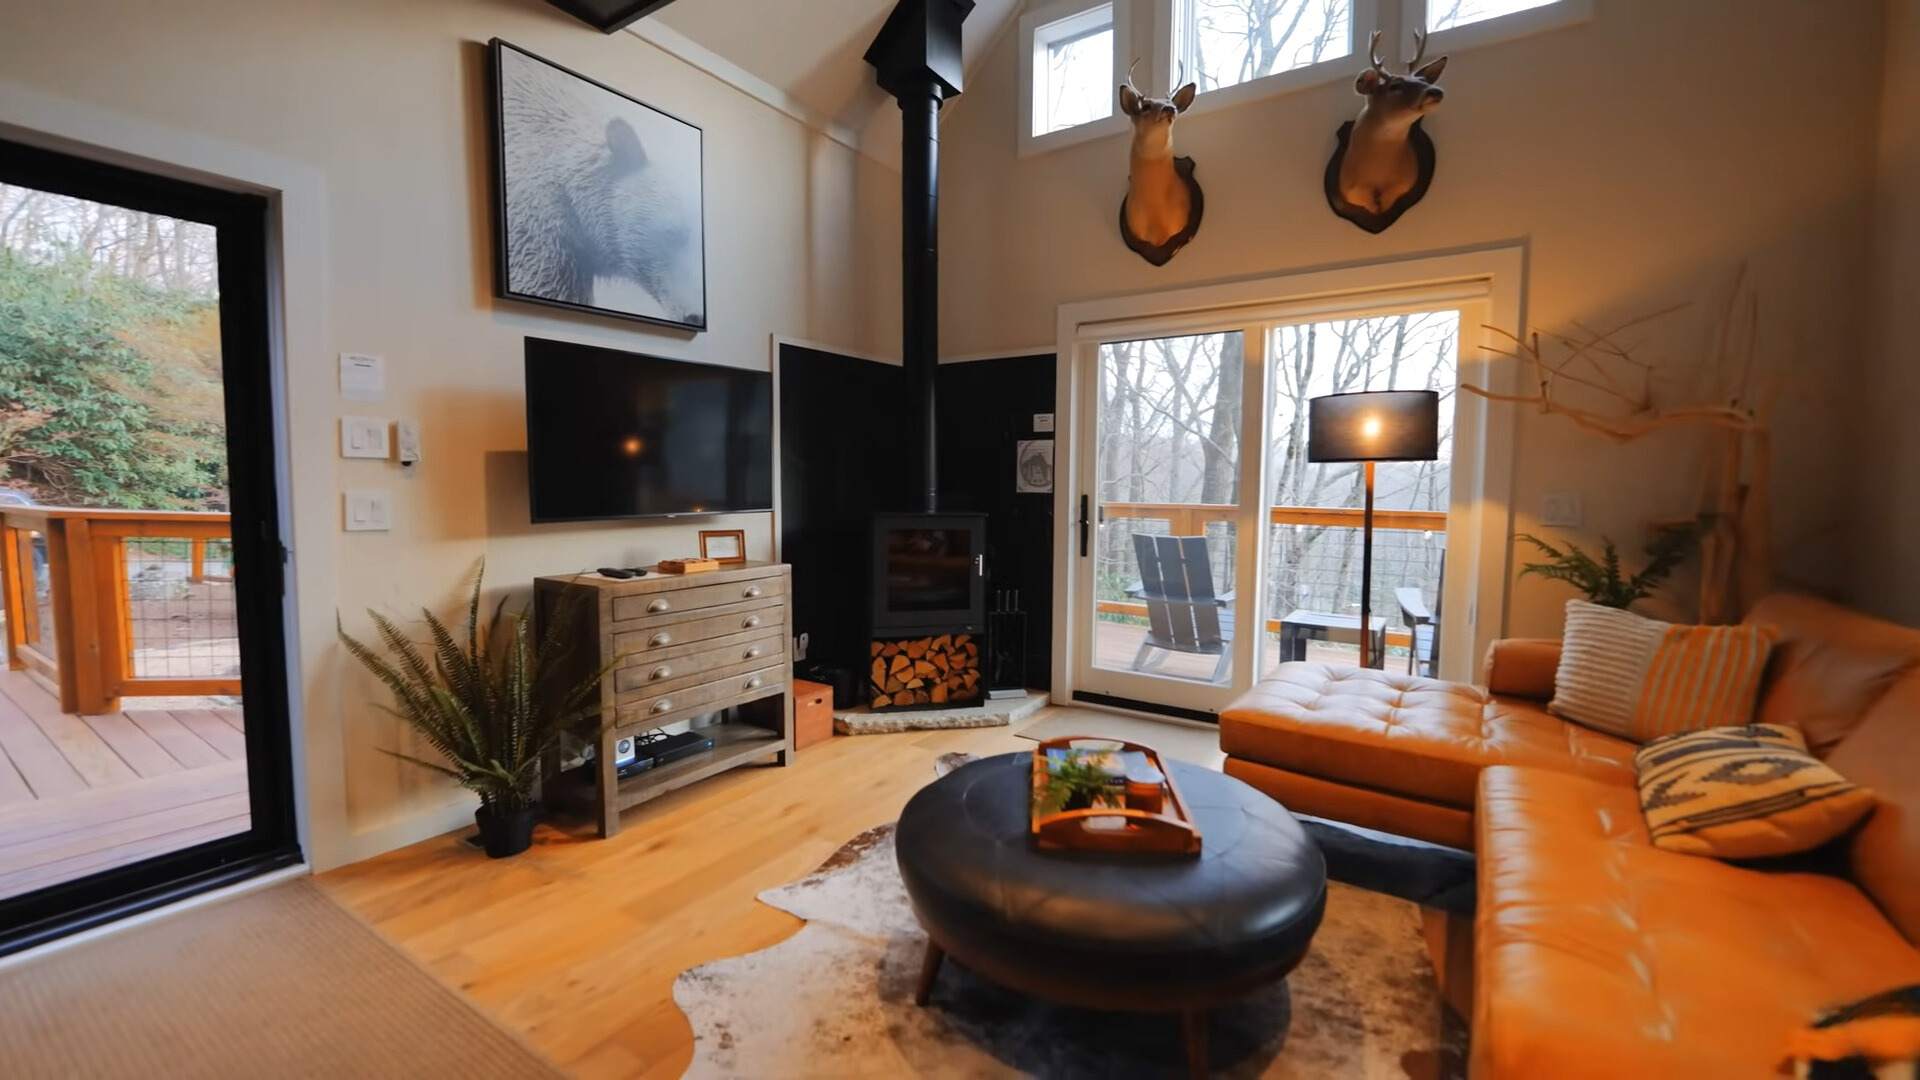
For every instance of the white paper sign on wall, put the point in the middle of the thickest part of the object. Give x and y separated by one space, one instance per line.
1043 421
363 376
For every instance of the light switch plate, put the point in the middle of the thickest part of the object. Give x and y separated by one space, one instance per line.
1560 510
364 437
369 511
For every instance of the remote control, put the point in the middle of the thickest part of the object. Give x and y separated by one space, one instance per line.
614 572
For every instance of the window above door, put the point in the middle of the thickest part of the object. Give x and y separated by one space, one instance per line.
1074 53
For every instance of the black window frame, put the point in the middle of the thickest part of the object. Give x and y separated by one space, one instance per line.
242 220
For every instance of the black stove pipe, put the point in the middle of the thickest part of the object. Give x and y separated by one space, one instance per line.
920 273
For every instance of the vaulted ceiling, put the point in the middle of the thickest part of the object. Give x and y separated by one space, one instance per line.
811 51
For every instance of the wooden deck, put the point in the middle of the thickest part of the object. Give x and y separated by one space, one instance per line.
79 794
1116 644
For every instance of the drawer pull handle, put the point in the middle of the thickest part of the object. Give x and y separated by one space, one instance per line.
752 654
660 672
750 621
661 638
750 591
658 606
753 683
662 705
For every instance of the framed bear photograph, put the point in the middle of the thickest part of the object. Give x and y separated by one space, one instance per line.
599 197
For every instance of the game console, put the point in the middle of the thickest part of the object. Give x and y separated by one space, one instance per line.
667 749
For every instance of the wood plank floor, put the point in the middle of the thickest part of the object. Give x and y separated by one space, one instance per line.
80 794
577 942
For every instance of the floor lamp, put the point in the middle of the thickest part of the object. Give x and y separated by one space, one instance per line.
1372 426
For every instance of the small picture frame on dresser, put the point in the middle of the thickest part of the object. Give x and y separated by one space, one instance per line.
724 546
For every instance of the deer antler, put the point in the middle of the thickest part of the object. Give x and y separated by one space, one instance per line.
1420 54
1373 48
1130 67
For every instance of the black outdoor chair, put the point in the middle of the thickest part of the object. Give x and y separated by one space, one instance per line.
1183 614
1423 624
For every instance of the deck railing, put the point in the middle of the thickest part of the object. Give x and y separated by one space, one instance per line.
102 604
1191 519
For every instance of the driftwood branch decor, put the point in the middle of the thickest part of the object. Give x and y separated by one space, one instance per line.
1618 401
1163 205
1384 163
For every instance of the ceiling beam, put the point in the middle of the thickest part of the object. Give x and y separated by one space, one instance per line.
607 16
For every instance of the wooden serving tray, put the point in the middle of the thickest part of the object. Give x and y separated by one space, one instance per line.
1170 832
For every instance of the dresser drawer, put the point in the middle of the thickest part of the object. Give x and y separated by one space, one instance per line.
669 601
700 697
655 635
672 672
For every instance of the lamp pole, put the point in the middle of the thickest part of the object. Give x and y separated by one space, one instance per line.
1366 573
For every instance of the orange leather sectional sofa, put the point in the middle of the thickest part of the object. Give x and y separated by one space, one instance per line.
1595 953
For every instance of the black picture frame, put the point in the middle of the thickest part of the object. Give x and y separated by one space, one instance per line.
662 256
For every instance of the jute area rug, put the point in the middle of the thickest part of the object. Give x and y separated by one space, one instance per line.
280 983
836 1000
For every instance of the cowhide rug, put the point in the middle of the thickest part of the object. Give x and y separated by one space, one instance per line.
836 1000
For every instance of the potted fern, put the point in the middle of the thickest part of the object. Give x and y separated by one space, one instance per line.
1604 580
492 705
1076 781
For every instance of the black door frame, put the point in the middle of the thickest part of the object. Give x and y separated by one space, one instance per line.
259 555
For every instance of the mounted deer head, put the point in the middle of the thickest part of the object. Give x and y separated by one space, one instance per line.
1385 161
1163 205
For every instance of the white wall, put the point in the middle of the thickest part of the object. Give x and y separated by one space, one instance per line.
374 110
1886 521
1641 156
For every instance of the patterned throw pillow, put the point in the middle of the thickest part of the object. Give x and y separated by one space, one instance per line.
1747 792
1640 678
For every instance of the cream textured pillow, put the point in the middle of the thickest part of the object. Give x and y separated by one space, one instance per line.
1640 678
1743 793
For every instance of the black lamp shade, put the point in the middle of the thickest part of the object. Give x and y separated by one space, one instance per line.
1374 425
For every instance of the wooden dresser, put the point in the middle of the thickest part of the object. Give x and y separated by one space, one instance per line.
687 645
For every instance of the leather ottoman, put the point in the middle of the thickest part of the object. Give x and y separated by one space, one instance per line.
1139 933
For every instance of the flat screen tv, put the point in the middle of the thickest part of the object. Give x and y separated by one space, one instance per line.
613 434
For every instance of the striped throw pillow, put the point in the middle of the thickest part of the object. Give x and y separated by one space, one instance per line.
1641 678
1746 792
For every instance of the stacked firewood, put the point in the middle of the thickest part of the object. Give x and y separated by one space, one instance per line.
925 671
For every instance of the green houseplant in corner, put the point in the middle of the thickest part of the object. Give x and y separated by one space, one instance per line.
1604 580
492 705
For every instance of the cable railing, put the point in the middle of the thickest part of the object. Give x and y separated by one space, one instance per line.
1408 544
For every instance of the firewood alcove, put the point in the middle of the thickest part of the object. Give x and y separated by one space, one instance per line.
941 670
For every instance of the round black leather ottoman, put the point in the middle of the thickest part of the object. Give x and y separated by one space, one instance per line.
1143 933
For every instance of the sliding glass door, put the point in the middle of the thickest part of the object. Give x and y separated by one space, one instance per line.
1313 560
145 751
1208 548
1170 551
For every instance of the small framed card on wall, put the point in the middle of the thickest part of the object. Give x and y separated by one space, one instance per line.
724 545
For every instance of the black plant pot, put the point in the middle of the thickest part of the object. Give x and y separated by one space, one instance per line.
505 834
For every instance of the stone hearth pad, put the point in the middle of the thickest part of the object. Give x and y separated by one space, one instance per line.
991 713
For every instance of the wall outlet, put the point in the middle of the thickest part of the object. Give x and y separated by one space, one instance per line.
369 511
1560 510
